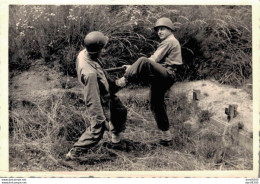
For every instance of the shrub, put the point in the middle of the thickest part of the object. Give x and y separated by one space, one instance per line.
216 40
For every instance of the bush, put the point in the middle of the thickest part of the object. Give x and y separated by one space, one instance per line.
216 40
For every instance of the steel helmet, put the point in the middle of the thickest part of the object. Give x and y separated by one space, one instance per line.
95 41
166 22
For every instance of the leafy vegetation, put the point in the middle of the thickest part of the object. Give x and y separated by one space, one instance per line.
216 40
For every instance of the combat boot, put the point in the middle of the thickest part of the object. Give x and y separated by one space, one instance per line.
73 154
166 139
121 82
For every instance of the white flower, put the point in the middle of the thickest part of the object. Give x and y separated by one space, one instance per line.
22 34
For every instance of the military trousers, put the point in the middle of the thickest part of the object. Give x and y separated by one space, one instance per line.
160 79
95 131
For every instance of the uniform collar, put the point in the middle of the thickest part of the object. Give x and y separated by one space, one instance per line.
170 37
94 64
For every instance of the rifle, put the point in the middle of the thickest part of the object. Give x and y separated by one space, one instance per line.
115 69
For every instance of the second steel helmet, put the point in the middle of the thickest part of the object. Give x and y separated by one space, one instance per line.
95 41
166 22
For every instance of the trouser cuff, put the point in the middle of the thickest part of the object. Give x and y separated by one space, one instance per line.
166 135
116 138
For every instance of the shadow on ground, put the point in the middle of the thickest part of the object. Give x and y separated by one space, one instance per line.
108 152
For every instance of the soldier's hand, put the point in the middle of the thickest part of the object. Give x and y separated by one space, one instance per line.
126 67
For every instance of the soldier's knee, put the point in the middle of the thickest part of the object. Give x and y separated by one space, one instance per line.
143 58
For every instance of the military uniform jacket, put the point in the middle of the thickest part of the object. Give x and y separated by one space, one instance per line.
168 52
96 88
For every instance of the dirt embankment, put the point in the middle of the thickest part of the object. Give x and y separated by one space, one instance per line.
215 98
41 81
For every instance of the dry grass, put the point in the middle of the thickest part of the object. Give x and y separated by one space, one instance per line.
46 119
42 132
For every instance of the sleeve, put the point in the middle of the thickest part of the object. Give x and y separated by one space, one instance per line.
92 97
160 53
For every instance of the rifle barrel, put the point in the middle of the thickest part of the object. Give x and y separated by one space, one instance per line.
114 69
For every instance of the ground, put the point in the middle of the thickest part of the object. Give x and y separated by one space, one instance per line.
41 97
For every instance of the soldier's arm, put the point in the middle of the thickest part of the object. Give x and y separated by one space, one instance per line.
161 51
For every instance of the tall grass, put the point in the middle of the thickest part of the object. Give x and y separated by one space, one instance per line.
216 40
219 38
42 132
57 32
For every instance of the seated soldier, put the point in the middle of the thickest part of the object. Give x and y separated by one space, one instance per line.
160 71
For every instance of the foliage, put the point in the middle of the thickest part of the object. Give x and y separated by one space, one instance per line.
216 40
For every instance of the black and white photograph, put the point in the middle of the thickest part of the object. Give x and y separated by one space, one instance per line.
117 87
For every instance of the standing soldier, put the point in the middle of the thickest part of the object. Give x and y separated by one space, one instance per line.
105 110
160 71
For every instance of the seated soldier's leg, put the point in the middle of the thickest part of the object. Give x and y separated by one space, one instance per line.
145 69
158 108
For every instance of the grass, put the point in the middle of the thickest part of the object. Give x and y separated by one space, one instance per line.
42 132
216 41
